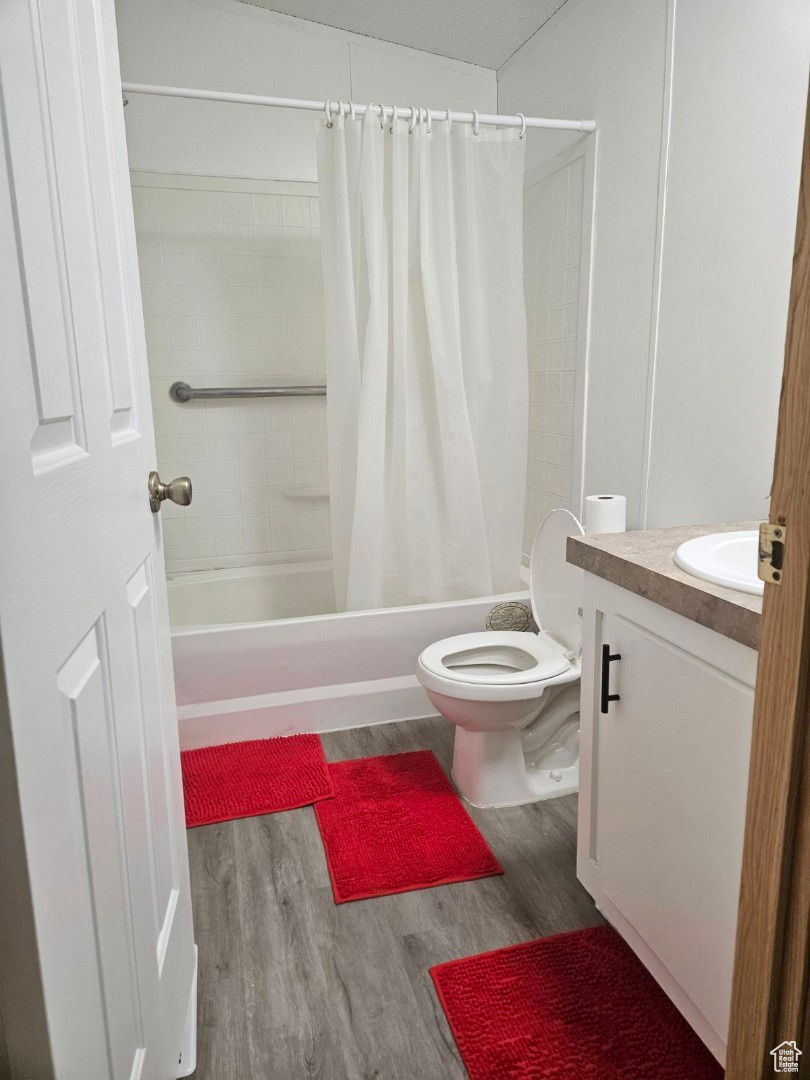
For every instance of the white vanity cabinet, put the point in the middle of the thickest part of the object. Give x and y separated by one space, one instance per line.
663 778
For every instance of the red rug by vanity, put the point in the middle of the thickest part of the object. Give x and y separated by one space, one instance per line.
262 776
576 1005
396 824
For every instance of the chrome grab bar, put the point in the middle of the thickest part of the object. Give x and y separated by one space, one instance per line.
182 392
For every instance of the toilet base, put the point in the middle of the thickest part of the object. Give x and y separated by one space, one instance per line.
492 768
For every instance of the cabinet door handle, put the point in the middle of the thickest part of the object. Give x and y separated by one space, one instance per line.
607 656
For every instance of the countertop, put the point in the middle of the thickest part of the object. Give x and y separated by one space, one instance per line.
643 563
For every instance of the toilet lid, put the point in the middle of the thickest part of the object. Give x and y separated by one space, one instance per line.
555 585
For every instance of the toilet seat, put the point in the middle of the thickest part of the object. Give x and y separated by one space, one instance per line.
496 658
511 658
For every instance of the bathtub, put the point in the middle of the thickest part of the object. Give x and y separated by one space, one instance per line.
259 652
250 594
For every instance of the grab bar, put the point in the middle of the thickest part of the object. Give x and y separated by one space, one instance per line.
182 392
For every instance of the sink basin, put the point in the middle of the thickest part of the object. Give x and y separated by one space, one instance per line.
729 559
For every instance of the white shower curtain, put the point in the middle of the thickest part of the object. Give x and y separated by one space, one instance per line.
427 393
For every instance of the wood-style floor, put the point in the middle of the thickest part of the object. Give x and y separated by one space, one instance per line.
292 985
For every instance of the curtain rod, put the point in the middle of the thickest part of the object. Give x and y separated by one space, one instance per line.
401 112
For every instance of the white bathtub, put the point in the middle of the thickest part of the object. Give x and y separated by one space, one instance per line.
250 594
243 672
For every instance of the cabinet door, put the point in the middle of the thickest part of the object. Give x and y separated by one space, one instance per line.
672 766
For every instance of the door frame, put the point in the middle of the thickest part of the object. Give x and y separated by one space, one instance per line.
772 959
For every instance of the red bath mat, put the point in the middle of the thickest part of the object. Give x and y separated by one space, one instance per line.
394 825
261 776
576 1005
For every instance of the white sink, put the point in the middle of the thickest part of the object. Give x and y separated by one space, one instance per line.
729 559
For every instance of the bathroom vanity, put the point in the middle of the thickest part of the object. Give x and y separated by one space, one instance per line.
668 672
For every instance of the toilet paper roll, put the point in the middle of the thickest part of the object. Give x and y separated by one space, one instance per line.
605 513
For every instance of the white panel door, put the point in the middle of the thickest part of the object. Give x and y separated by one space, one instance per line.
83 611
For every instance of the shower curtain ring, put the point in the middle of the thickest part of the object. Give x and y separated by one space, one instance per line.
428 122
351 110
328 110
413 120
522 125
475 121
382 117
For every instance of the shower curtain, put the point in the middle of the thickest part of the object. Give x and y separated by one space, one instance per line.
427 373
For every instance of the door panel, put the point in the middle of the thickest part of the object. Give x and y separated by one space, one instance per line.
43 234
158 794
83 612
108 188
84 680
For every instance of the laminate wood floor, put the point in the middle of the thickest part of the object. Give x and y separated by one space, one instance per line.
292 985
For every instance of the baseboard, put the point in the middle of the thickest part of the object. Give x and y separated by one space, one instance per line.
294 712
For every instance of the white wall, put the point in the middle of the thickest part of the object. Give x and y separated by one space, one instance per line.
684 364
232 296
739 96
606 62
227 45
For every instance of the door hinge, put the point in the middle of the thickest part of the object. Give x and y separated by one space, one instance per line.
771 552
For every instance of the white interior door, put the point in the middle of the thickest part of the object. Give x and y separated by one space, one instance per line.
83 611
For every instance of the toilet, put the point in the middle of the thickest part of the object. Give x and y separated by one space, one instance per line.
512 696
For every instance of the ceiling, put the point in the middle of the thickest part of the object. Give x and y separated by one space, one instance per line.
478 31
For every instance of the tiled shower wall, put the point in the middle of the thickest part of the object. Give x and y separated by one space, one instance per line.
552 242
232 294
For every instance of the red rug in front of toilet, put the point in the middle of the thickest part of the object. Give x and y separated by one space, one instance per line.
576 1005
395 825
261 776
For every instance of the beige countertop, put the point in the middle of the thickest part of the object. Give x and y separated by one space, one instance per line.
643 563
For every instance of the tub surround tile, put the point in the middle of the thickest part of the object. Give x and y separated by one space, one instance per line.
643 563
232 294
551 232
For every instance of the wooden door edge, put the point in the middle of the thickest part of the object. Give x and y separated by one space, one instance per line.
773 933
